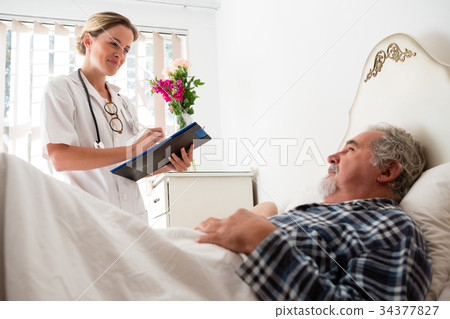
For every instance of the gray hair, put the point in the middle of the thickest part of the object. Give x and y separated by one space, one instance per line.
398 145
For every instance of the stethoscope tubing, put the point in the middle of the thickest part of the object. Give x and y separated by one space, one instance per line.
97 142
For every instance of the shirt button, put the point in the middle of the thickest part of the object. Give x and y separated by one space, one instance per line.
124 196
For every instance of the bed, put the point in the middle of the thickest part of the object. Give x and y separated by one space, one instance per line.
50 252
61 243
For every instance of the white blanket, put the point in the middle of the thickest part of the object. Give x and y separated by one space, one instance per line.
59 243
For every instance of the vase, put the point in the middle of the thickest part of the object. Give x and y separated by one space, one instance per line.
183 120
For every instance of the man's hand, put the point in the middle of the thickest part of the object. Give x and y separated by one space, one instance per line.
241 232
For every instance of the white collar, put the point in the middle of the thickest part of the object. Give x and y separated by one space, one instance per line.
113 89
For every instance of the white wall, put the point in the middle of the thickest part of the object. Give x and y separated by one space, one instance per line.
200 24
290 69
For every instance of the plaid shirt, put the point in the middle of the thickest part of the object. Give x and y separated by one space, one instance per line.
356 250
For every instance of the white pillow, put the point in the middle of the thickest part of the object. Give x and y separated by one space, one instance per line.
428 203
444 294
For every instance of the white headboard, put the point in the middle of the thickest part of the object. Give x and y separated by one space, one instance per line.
403 85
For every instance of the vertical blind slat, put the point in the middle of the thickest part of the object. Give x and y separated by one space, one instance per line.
176 46
140 72
60 30
19 99
158 65
78 30
2 81
18 26
39 28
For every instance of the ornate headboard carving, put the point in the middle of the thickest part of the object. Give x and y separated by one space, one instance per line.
393 52
414 95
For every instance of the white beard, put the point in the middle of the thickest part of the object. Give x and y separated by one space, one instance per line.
328 185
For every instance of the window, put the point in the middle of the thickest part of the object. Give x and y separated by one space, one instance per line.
33 53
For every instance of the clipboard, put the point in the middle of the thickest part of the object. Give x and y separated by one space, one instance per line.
158 156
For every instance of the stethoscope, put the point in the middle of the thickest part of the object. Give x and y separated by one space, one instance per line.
129 117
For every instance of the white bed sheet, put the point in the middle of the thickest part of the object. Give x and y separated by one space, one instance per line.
60 243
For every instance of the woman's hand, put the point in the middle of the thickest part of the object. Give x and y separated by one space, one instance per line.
152 136
72 158
148 139
178 164
183 163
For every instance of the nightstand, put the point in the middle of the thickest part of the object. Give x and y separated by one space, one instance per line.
185 199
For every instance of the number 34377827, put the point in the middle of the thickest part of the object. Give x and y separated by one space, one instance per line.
409 310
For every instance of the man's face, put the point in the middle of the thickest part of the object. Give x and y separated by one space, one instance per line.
351 172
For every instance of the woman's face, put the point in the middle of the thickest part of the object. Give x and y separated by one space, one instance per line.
108 51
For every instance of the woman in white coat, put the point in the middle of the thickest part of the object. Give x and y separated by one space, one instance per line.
88 128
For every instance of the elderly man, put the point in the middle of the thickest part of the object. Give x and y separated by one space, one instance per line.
357 245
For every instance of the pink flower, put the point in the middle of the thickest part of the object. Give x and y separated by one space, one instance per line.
164 87
177 87
180 91
169 90
181 62
167 71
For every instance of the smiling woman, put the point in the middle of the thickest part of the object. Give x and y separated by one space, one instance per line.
105 53
46 50
87 156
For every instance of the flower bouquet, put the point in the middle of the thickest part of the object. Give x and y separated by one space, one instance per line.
178 89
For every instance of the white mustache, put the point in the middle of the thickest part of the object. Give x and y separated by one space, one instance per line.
333 169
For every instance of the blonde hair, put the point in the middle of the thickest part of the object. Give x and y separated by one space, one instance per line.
99 23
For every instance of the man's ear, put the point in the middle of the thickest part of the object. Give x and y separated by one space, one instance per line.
390 173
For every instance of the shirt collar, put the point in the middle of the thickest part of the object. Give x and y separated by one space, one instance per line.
369 203
113 89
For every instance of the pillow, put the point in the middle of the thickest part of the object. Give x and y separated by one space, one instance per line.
428 203
444 294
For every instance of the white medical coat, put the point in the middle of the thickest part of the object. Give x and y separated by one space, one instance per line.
66 119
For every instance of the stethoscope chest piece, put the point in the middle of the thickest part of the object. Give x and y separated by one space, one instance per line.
99 145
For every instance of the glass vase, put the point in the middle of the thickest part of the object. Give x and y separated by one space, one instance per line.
183 120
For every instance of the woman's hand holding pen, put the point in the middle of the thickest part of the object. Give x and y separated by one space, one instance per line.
148 139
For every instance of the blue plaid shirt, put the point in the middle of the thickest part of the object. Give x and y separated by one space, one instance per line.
355 250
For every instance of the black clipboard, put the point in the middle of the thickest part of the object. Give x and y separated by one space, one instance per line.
158 156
